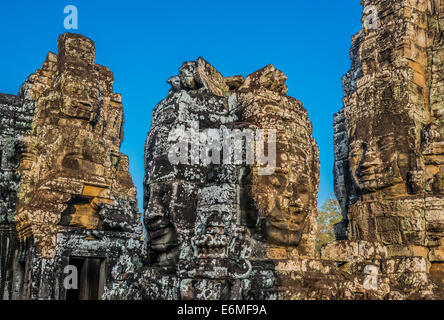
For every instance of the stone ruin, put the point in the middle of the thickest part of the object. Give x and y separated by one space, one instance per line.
218 230
389 136
221 230
222 219
66 194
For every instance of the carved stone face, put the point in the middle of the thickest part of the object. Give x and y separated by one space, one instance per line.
81 159
80 101
376 163
187 75
433 151
163 242
283 198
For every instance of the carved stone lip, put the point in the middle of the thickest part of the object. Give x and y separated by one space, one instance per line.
367 168
155 224
83 105
369 173
296 205
211 241
284 225
371 176
159 233
368 177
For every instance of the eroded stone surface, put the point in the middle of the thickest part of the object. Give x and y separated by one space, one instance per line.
251 236
213 226
16 117
67 192
389 136
230 230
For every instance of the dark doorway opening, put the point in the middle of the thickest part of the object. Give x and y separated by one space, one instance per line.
90 273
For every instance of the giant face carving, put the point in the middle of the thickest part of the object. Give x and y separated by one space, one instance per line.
285 199
375 164
73 172
81 100
381 154
162 235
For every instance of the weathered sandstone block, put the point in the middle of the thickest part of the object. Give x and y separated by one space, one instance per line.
389 136
215 223
67 196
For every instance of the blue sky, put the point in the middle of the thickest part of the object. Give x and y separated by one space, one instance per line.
145 42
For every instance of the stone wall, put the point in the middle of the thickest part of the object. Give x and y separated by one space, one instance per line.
217 227
67 194
16 117
389 136
222 230
231 178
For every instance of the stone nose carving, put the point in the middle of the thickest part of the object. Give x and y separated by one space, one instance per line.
369 158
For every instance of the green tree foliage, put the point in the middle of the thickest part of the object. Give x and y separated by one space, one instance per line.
328 215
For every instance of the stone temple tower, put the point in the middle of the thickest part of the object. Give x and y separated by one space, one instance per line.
67 196
389 136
